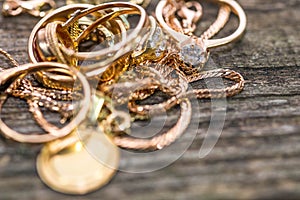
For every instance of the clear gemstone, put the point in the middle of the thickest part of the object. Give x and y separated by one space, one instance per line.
158 53
156 37
161 48
157 42
162 45
152 44
192 54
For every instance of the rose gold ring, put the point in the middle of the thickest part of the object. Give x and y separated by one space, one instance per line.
12 74
211 43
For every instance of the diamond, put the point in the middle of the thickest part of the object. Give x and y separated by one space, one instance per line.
157 42
161 48
193 54
156 37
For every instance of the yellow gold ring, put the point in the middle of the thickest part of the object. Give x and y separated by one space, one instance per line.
61 19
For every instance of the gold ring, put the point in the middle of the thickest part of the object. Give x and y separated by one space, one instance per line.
39 50
14 73
102 58
212 43
194 50
47 78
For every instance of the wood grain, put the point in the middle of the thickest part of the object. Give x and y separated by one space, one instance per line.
257 155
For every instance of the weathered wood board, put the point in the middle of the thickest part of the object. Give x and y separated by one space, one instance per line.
258 153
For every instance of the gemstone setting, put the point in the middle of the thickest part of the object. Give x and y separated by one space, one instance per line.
193 53
155 38
157 42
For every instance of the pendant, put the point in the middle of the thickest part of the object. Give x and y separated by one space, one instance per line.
77 165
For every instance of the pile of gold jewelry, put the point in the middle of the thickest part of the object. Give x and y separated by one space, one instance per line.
88 60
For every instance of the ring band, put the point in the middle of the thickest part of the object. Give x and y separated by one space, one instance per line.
77 11
13 73
210 43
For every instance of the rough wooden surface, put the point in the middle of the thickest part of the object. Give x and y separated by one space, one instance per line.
257 155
